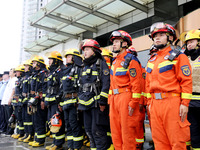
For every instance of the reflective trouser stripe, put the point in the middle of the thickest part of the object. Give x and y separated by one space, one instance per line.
21 128
93 148
195 148
60 137
41 136
78 138
69 137
140 140
28 123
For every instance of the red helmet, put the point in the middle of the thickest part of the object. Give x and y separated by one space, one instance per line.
120 34
91 43
162 27
132 50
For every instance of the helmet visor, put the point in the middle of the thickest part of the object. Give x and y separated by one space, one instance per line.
157 26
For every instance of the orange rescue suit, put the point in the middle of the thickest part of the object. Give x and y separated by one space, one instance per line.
168 85
125 90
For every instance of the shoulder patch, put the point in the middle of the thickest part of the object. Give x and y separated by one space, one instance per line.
186 70
133 72
106 72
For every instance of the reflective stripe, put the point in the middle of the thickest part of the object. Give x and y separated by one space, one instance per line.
35 134
189 143
17 126
93 148
69 101
75 76
166 63
136 95
121 69
145 94
195 97
25 99
93 73
59 137
43 95
67 77
21 128
148 95
50 99
14 101
69 137
104 94
108 134
150 65
89 101
53 135
140 140
196 64
195 148
28 123
186 95
78 138
110 91
19 100
41 136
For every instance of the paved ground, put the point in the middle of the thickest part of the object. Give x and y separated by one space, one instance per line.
8 143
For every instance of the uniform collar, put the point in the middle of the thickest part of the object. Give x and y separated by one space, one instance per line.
164 51
122 55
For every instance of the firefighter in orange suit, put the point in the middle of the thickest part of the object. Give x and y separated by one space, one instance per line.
140 127
169 86
124 93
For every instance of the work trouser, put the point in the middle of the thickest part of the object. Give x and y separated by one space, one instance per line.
74 129
18 114
168 132
8 113
140 128
39 118
194 119
27 119
96 127
123 126
59 137
3 124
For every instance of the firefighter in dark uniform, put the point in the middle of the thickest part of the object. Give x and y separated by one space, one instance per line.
95 82
192 41
36 103
16 102
70 92
53 98
27 118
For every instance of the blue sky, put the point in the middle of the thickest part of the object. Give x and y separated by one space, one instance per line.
10 35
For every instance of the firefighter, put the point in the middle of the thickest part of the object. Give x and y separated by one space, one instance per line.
27 118
107 55
94 87
17 102
53 98
36 105
192 41
124 93
140 127
169 88
70 85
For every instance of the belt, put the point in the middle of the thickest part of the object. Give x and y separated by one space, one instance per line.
164 95
71 95
118 91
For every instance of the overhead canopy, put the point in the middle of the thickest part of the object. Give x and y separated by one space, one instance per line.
67 19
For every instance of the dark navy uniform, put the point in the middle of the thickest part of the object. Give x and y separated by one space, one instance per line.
52 100
16 102
38 90
70 93
95 83
27 118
